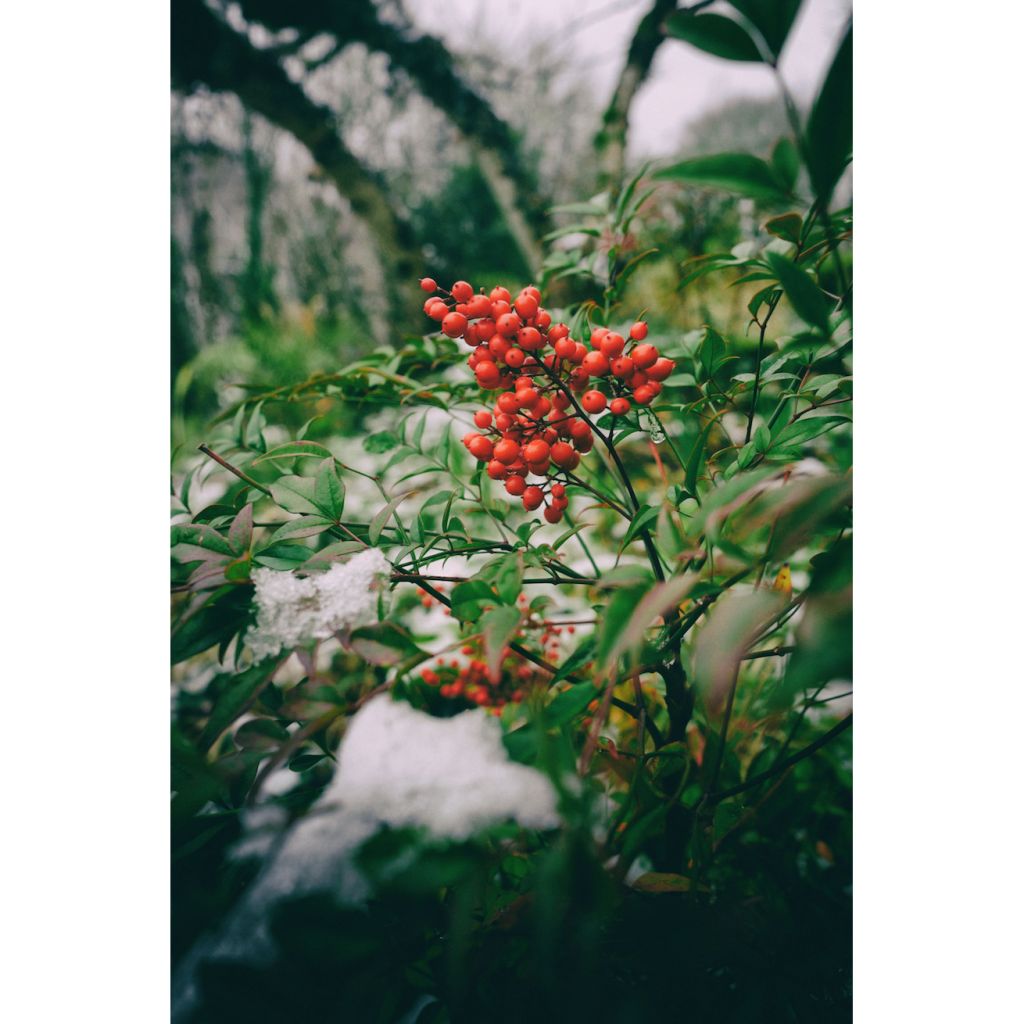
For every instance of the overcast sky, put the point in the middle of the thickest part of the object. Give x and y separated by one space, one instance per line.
683 84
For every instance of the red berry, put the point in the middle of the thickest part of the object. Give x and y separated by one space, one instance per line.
527 397
533 497
468 439
580 354
462 291
580 431
428 284
612 344
509 402
536 451
488 375
561 454
508 324
482 418
527 306
514 357
558 332
552 515
593 401
638 331
558 490
638 379
619 406
643 394
532 290
595 364
454 324
515 485
596 335
497 470
644 356
506 451
565 348
500 294
622 367
662 369
435 308
485 329
530 338
543 319
481 448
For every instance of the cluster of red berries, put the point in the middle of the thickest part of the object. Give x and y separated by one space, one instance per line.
469 681
538 427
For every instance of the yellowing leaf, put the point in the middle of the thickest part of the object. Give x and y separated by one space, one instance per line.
784 581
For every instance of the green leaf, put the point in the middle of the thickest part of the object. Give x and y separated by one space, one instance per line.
660 600
382 441
505 574
240 533
786 162
786 225
469 599
570 703
236 699
584 652
295 494
772 18
329 490
215 622
646 514
713 33
806 298
304 526
294 450
733 623
830 126
202 536
712 353
734 172
383 644
613 621
381 518
498 627
261 734
303 762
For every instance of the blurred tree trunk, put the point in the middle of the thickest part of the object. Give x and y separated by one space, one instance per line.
257 280
610 141
204 49
427 61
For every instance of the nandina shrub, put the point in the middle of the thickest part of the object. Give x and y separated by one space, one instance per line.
615 619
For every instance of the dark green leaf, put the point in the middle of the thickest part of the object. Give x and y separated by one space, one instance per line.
830 126
786 162
805 296
383 644
772 18
329 490
294 450
382 441
713 33
498 627
734 172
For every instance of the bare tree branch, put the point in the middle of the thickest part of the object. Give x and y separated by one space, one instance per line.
204 49
427 61
610 141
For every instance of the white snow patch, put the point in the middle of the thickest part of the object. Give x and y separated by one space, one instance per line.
291 611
